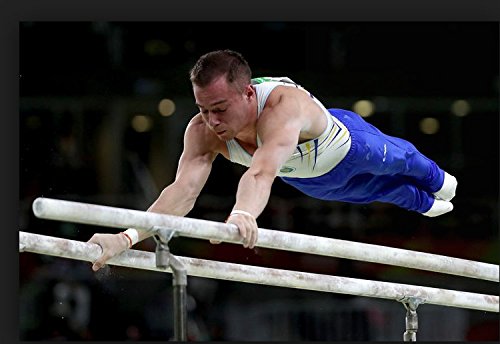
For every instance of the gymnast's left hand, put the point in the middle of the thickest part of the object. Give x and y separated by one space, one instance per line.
247 226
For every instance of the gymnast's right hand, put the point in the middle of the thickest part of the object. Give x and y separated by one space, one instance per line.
111 245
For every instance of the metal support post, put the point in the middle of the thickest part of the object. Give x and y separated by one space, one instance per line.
179 283
165 259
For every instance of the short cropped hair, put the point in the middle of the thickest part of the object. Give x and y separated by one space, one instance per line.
221 62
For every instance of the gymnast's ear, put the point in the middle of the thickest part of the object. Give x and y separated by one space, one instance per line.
249 91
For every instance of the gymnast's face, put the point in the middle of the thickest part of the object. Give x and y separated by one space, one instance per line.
225 109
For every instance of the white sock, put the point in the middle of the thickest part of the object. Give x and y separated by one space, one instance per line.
447 191
439 207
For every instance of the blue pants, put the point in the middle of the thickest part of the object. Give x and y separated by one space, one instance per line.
378 167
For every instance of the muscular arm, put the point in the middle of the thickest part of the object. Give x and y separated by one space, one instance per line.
179 197
193 170
279 128
255 185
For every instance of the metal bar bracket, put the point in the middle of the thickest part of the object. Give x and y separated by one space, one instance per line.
411 320
162 237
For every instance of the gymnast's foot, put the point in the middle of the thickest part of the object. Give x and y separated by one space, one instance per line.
439 207
447 191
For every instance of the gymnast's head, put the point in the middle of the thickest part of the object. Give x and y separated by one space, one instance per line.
223 92
215 64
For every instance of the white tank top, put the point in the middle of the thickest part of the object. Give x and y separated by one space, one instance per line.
312 158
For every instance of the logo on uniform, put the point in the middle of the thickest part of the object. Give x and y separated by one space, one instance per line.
287 169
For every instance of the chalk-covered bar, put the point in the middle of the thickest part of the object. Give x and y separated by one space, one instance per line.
59 247
106 216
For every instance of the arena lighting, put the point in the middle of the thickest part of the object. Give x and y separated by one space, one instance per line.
142 123
460 108
429 125
364 108
166 107
157 47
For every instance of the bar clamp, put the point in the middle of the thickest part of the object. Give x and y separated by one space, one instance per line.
411 320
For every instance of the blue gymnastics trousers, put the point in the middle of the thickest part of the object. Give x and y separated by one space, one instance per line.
378 167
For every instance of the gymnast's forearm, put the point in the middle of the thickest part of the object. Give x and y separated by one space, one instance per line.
173 200
253 192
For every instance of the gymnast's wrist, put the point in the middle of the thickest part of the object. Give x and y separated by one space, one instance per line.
132 236
240 212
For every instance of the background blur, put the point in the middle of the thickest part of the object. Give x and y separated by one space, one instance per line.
103 107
